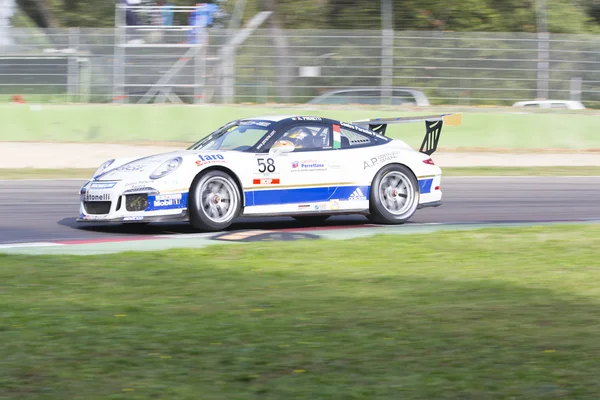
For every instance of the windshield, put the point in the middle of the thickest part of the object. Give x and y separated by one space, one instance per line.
237 135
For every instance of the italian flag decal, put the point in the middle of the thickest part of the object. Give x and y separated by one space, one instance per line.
337 137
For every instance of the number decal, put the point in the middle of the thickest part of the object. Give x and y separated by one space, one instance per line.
268 167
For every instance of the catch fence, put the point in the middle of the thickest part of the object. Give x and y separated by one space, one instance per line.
293 66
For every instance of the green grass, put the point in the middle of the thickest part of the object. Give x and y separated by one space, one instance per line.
121 123
488 314
84 173
522 171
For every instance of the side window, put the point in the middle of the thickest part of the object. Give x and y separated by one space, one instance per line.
558 105
351 139
400 97
308 137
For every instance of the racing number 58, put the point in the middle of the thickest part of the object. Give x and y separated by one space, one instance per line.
268 167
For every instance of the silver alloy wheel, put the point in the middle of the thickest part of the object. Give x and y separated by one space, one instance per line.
218 198
396 192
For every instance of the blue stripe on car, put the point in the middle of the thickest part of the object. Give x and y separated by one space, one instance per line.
305 195
425 185
315 194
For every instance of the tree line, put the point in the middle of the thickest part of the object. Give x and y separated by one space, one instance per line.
574 17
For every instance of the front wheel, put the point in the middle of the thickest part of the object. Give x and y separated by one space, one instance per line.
215 201
394 195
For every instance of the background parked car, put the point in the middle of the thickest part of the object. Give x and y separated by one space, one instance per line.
373 96
567 104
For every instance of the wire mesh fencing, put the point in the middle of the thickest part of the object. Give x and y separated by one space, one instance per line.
296 66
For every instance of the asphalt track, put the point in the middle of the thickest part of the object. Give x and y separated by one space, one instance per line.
37 211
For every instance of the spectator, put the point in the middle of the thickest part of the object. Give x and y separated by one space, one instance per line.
131 19
200 19
164 17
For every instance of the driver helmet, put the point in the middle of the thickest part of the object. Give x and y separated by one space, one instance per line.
301 137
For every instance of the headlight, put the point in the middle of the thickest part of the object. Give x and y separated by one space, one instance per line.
103 167
166 168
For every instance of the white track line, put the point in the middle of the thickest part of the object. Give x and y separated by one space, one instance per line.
32 244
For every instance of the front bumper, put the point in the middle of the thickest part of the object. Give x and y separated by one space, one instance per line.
181 217
138 202
430 204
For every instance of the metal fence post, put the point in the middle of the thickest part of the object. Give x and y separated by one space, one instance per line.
387 51
119 55
543 41
200 64
73 66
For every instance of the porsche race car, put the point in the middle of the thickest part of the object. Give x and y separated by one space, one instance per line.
305 167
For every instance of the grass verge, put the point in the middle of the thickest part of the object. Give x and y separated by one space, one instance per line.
522 171
122 123
495 313
83 173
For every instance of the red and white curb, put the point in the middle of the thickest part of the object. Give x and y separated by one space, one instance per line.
176 236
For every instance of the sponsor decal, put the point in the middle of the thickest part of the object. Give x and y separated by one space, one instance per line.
357 195
103 185
265 140
358 128
381 159
256 123
97 197
266 181
139 187
171 182
210 159
307 119
176 196
137 184
131 168
303 206
334 204
317 207
92 217
136 218
308 165
167 201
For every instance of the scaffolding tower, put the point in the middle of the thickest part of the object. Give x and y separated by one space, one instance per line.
164 42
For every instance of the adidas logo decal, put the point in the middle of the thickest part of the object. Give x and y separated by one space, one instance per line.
357 195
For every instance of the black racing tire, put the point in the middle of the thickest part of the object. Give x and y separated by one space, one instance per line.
394 196
215 201
311 219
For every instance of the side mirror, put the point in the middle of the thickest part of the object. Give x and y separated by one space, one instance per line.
281 147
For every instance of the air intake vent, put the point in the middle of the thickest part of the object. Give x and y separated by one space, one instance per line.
136 202
97 207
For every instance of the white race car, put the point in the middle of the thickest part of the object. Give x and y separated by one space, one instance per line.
304 167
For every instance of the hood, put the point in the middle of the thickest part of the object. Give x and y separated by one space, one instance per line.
139 168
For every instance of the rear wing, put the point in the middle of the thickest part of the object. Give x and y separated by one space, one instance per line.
433 126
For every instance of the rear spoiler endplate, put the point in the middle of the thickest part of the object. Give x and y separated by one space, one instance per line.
433 125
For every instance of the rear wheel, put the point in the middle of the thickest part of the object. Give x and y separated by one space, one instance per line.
215 201
394 195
